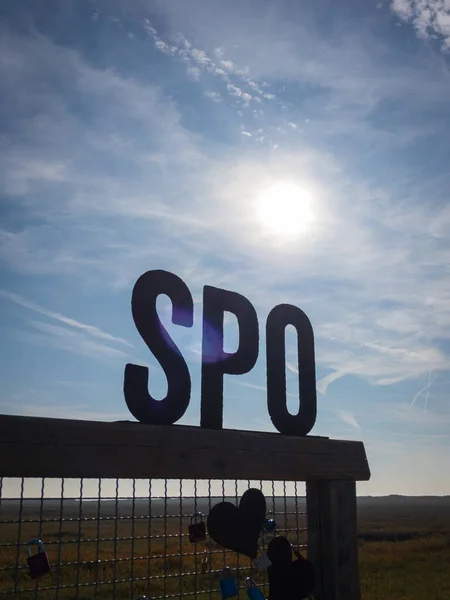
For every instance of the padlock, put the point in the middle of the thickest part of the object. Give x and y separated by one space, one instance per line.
197 530
228 587
269 526
206 561
38 564
263 562
253 592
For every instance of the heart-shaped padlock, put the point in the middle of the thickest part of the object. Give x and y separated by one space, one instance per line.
238 528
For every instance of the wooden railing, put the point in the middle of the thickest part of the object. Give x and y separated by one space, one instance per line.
58 448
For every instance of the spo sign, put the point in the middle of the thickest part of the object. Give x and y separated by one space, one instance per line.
215 361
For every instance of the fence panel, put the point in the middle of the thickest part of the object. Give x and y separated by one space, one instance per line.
119 539
106 542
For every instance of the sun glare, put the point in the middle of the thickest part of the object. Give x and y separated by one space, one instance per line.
285 208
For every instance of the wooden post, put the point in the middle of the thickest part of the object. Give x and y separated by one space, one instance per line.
332 539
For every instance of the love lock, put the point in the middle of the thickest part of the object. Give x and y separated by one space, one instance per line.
228 587
206 561
269 526
287 578
253 592
263 562
38 564
197 530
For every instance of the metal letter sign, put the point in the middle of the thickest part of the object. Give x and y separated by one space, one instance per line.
215 361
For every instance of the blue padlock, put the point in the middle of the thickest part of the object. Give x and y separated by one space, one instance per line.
253 592
228 587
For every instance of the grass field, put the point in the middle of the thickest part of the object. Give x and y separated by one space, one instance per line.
404 551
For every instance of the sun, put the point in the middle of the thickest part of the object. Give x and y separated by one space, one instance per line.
285 209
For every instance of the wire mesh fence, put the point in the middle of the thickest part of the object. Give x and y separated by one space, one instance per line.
122 539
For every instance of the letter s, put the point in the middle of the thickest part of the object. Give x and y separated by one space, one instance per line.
142 406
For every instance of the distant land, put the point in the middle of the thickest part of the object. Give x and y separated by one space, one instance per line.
377 506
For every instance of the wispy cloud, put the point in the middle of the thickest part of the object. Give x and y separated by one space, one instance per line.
252 386
426 389
326 380
93 331
198 61
393 419
61 338
291 367
214 96
144 179
22 404
349 418
152 149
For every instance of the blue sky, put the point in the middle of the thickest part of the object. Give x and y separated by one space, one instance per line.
143 135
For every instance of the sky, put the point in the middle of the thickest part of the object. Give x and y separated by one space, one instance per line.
293 152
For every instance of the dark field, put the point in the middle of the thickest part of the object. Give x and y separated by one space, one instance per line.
404 549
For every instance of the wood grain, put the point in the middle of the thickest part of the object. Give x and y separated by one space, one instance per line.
40 447
332 539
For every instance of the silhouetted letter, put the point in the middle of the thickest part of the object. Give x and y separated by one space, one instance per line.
215 361
143 407
277 321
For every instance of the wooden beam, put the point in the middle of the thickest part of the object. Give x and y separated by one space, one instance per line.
332 539
37 447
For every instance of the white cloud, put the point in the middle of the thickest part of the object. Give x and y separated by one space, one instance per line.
198 61
356 72
162 46
90 329
403 8
425 388
214 96
291 367
233 90
377 308
106 177
228 65
324 382
412 415
349 418
430 18
200 57
69 340
194 72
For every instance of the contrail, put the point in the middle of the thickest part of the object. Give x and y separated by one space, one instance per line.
419 393
428 391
